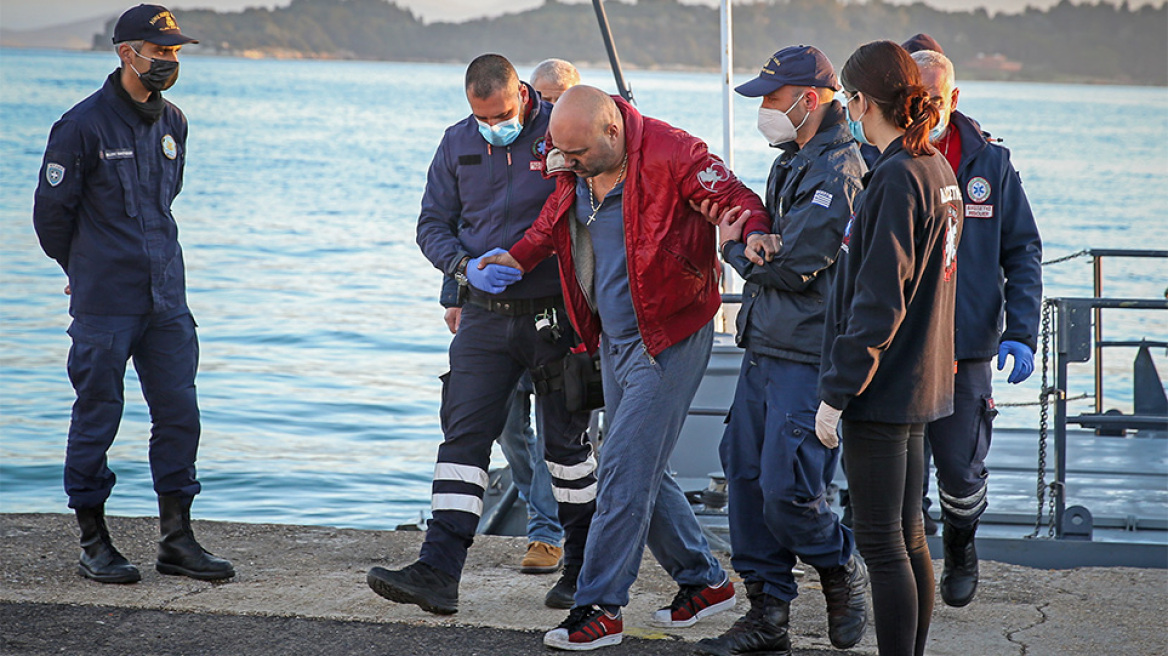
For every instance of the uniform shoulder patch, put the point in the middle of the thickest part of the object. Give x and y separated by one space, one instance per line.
54 173
169 148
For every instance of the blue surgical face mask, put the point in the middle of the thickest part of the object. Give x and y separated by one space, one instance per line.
936 133
856 127
501 133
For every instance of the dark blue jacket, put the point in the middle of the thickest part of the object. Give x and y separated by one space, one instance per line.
102 207
999 263
888 335
480 197
810 193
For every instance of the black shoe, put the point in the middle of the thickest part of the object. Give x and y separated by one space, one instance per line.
846 504
430 589
930 523
763 630
563 594
100 561
178 552
847 604
959 577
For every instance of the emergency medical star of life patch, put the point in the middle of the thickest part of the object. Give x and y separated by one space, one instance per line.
821 198
54 173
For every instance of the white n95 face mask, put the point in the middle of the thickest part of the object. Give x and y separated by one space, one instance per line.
776 126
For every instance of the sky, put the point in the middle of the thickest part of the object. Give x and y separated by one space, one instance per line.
25 15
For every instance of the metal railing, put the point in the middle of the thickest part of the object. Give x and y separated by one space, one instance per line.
1097 255
1078 337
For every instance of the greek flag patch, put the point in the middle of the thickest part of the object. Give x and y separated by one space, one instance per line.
822 198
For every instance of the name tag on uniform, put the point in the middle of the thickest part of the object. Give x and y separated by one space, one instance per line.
535 165
979 211
117 153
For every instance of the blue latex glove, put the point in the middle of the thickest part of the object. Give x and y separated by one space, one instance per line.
492 278
1023 360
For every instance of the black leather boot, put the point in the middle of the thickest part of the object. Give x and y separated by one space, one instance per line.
428 588
847 603
563 593
100 561
178 552
959 577
763 630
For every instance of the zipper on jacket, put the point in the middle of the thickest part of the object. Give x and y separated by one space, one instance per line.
507 201
490 169
652 360
628 272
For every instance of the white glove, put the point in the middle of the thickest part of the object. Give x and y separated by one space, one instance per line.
826 420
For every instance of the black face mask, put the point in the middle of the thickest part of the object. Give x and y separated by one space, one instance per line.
161 75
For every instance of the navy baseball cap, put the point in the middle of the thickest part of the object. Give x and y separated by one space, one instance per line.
153 23
921 41
804 66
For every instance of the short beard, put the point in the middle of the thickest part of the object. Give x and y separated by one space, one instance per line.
610 162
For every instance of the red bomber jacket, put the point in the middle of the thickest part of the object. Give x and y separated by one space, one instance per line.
671 250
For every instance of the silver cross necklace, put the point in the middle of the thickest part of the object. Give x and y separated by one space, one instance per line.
592 198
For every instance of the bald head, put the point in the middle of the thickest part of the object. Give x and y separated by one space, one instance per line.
585 108
588 129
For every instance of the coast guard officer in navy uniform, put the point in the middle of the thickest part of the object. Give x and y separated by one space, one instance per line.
113 165
485 187
777 470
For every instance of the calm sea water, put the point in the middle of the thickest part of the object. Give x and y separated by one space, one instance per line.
322 339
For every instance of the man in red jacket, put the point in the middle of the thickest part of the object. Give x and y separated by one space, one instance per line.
640 275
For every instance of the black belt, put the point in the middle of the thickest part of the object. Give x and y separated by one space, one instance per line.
514 307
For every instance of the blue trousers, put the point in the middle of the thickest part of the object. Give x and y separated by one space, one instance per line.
487 357
960 443
645 401
523 449
778 472
165 351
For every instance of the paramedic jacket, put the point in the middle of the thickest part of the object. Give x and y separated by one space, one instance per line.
480 196
999 276
810 193
102 208
888 338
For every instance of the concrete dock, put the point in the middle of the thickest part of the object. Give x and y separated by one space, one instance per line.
301 590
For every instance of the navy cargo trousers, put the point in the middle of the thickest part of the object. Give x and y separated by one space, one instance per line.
778 473
960 443
165 351
487 357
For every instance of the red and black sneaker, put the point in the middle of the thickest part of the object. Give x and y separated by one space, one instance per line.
587 627
694 602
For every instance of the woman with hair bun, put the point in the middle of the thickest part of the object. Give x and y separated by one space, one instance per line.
888 349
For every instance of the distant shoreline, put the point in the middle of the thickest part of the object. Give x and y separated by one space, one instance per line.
283 55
